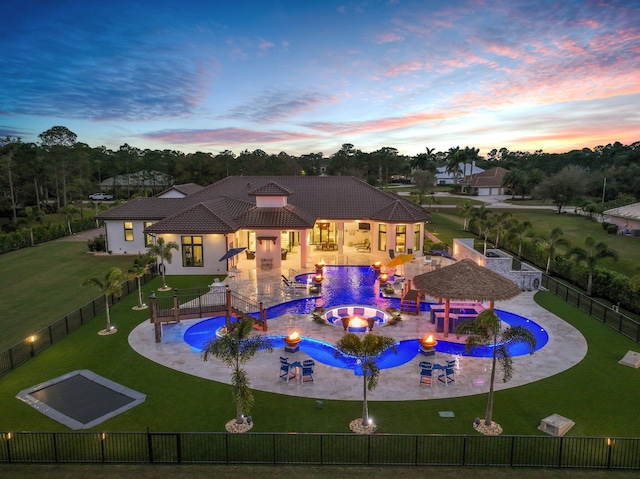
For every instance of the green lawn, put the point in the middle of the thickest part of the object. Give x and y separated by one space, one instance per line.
595 393
42 284
574 227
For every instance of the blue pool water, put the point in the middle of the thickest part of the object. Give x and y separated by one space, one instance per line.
357 285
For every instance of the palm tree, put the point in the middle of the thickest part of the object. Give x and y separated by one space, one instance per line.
500 225
519 231
139 269
554 240
69 213
593 252
465 210
234 349
454 156
486 330
110 285
366 352
162 251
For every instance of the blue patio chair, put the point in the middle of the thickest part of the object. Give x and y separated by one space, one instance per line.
426 373
307 370
286 374
448 376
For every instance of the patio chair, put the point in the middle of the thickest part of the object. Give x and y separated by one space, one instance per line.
286 374
449 373
307 370
426 373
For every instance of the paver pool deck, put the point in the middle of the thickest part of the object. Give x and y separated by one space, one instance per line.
565 348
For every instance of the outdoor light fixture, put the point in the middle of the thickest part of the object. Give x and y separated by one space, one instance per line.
318 278
377 265
383 278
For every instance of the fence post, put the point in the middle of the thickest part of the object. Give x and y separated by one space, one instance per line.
149 446
176 306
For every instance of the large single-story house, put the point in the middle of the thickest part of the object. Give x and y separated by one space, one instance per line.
487 183
626 217
269 216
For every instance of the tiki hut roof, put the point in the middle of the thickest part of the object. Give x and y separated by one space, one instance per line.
466 281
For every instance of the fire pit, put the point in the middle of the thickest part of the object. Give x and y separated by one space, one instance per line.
292 342
428 345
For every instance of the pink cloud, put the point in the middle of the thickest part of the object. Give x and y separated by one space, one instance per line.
382 124
388 38
228 136
403 68
265 45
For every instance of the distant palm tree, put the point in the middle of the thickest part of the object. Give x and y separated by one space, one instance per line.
593 252
519 231
465 210
110 285
552 242
486 330
500 225
69 213
234 349
366 351
162 251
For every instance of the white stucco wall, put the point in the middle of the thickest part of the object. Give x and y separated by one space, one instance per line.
116 243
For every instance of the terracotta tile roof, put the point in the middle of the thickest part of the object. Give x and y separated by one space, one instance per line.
270 189
200 218
286 217
185 189
144 208
399 211
309 198
492 177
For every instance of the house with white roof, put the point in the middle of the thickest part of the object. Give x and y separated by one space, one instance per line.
626 217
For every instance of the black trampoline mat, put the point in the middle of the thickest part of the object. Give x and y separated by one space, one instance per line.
81 399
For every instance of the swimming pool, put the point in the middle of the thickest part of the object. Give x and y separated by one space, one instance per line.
357 284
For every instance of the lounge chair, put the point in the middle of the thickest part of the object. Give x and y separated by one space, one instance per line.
364 246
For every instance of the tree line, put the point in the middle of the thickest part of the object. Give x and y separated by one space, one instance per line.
59 171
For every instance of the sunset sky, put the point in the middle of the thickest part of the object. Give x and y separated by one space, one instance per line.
306 76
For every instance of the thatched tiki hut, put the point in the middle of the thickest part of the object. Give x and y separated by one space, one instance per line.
465 281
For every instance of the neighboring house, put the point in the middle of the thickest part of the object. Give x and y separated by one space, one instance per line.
155 180
445 178
271 216
626 217
487 183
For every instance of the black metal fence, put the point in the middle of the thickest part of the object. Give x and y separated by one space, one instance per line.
40 340
607 314
319 449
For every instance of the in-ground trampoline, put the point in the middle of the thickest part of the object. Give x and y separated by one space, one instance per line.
81 399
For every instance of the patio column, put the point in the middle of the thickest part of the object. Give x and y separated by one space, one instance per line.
304 248
446 317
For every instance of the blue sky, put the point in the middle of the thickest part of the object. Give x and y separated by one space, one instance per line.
306 76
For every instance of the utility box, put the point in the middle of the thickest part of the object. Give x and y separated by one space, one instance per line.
556 425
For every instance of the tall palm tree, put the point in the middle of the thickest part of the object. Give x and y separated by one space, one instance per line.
554 240
519 231
110 285
366 351
466 211
486 330
454 157
162 251
593 252
234 349
139 269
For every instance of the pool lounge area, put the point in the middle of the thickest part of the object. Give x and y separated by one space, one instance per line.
400 380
